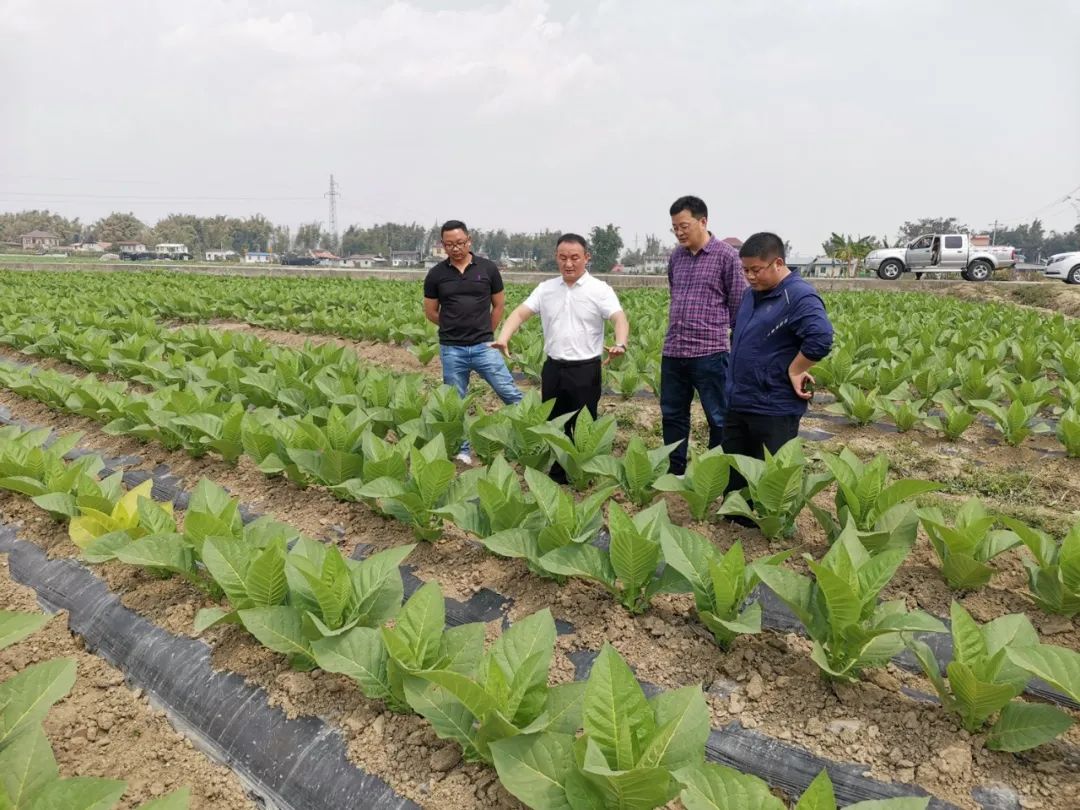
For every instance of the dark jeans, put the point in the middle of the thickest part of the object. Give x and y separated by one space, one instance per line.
749 434
679 378
573 384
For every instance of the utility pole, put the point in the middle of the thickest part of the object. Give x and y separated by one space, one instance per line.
993 238
333 194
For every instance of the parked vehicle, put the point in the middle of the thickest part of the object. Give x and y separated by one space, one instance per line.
296 260
941 253
1065 266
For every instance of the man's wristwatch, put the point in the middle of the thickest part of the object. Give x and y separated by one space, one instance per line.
620 346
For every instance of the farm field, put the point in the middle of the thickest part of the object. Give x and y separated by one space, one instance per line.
934 490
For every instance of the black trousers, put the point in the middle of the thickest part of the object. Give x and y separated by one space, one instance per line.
573 384
749 434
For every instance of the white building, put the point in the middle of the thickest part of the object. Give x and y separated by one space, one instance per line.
257 257
220 255
172 250
365 261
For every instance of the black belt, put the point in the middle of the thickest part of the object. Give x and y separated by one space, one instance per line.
572 363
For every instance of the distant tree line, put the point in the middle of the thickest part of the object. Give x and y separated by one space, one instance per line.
530 249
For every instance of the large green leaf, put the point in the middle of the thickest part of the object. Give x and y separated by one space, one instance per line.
632 787
690 554
264 581
532 635
165 551
279 627
716 787
377 581
16 626
819 795
177 800
580 560
26 764
1058 666
976 700
616 715
25 697
227 559
844 605
1026 725
634 556
535 767
449 717
358 654
682 727
415 638
78 793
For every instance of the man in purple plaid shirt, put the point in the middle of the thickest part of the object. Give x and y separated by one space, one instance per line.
707 286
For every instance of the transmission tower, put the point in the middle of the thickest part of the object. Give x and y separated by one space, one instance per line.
332 195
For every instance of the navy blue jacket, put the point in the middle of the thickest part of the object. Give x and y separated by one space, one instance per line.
770 329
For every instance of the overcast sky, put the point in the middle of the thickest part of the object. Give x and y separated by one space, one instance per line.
797 117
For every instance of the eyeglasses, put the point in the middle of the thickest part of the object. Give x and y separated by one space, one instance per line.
455 245
684 227
756 270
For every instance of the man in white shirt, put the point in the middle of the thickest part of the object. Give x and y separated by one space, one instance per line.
572 311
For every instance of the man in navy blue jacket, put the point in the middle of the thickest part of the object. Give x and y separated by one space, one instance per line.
781 330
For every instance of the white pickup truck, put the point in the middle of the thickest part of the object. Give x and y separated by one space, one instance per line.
941 253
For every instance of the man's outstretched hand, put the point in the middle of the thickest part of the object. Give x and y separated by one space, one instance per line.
613 352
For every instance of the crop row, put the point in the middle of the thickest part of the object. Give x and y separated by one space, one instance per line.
1008 363
412 479
595 739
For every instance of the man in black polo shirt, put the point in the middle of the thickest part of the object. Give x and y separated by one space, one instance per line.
464 297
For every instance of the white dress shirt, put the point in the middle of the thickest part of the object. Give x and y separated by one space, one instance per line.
573 317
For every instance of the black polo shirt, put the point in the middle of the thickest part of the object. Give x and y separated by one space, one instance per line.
464 300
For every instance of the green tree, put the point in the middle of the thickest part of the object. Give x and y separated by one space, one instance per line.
849 249
14 225
909 230
281 239
183 228
606 247
310 236
252 233
1063 242
653 247
120 227
495 244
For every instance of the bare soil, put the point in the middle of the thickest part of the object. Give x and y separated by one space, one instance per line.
766 682
106 729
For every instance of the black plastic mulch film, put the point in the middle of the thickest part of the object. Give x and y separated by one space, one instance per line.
261 744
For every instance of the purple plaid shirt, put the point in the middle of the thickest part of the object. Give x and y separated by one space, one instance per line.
706 290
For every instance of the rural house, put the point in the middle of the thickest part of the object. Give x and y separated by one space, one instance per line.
39 239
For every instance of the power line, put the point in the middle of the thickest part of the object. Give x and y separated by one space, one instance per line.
1053 203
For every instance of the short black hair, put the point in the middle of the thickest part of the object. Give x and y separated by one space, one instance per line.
765 246
695 205
573 238
453 225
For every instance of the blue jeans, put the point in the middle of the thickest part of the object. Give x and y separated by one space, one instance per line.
458 363
679 378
